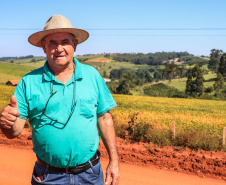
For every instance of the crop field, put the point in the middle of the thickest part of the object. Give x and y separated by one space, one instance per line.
204 119
14 69
34 64
199 123
5 94
189 114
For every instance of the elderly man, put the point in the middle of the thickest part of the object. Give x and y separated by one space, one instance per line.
65 102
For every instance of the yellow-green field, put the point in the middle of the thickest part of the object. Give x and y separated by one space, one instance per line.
188 114
199 123
206 117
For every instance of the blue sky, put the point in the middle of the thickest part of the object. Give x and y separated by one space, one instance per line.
119 26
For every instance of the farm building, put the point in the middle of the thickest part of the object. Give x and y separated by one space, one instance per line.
12 82
107 80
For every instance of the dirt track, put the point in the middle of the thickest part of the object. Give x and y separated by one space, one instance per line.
17 165
140 164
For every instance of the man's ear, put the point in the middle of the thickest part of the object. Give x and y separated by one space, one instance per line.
75 44
43 46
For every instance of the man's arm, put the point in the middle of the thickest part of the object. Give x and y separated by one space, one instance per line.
107 132
10 124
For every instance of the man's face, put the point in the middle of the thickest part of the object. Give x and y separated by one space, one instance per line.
59 49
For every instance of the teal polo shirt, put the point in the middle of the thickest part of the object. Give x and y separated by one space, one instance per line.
48 104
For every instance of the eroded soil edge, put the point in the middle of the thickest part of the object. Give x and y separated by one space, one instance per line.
202 163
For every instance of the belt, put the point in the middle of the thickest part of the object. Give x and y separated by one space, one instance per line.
74 170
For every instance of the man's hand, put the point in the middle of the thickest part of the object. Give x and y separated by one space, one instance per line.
9 114
112 171
107 132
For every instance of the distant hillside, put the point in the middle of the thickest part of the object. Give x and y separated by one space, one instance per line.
13 68
159 58
10 71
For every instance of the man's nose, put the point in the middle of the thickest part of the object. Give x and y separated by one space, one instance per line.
59 48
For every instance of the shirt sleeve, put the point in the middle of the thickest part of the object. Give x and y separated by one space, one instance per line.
20 94
105 99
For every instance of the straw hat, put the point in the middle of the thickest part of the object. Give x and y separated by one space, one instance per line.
57 23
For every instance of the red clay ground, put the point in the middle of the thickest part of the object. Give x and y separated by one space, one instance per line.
141 164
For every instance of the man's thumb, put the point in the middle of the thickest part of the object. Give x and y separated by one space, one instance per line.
13 101
107 179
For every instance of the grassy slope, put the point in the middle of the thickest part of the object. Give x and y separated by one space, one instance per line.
34 64
13 71
25 60
181 84
108 66
5 78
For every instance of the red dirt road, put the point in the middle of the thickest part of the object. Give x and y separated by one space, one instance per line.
16 165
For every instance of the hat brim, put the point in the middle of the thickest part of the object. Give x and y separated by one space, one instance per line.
36 38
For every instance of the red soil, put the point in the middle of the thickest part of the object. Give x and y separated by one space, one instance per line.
146 156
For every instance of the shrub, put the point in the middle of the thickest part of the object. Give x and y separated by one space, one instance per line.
163 90
209 89
219 95
160 137
206 96
198 140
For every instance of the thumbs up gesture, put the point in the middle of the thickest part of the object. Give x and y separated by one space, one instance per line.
9 114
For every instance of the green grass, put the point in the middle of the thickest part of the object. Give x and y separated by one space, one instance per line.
89 57
181 83
5 78
14 69
108 66
25 60
35 64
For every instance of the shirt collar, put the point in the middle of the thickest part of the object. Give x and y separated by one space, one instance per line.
47 75
78 69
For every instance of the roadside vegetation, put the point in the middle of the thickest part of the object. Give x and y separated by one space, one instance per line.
199 123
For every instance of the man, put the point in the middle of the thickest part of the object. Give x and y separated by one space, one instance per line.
65 101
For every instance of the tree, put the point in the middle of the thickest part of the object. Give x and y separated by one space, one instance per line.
144 75
215 56
157 75
124 84
141 75
170 69
222 65
105 74
201 63
107 56
163 72
194 84
219 82
180 70
112 86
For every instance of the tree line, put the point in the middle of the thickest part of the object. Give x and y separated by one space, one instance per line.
158 58
15 58
124 79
